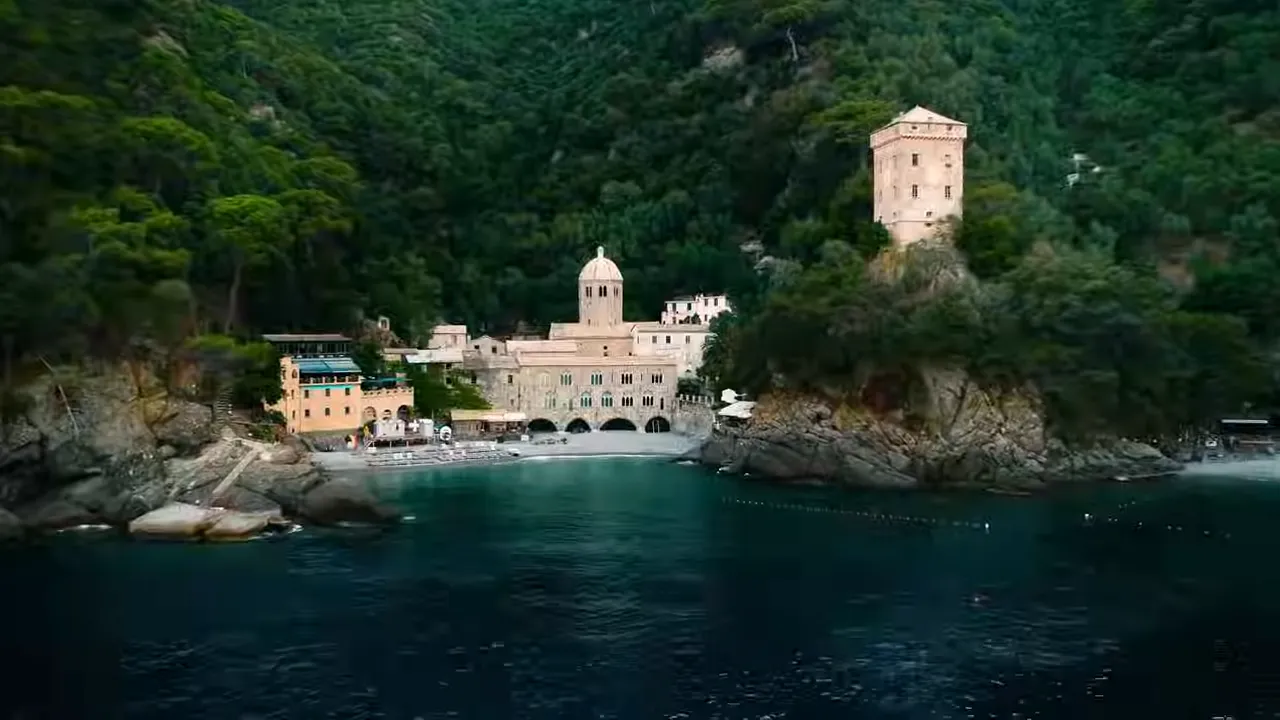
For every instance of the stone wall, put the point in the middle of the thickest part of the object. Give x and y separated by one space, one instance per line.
693 416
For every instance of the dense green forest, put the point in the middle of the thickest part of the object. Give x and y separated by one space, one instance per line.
175 168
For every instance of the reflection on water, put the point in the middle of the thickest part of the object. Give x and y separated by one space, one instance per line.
640 589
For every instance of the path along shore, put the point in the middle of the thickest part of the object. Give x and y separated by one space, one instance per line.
594 444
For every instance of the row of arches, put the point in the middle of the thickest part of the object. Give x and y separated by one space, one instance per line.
579 425
369 414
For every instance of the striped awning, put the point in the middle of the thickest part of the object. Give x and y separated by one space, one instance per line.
328 366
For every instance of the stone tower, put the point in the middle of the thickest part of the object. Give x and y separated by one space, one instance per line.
600 292
919 173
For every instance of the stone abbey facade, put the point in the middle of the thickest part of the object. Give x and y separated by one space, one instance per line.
919 173
601 372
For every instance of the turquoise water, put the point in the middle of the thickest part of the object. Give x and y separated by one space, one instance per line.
631 588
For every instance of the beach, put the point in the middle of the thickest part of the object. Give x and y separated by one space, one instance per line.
594 444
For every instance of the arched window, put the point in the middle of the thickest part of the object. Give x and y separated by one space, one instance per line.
588 290
597 378
604 291
606 400
550 401
584 400
566 378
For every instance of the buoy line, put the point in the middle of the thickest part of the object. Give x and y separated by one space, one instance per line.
1089 520
916 520
1116 516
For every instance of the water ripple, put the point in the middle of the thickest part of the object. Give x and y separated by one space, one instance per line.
633 589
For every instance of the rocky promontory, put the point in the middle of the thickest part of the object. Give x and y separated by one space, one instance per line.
159 466
964 438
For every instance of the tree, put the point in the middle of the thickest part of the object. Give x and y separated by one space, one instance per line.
251 229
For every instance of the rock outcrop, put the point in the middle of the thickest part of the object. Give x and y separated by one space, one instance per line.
10 526
965 438
183 521
344 501
94 453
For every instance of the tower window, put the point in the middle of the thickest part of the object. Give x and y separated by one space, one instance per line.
915 191
604 291
588 291
946 192
915 159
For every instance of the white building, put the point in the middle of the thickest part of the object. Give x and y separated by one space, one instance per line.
697 310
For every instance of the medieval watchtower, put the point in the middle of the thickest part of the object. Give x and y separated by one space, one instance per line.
919 173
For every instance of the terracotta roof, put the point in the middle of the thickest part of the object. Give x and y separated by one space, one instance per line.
919 114
561 331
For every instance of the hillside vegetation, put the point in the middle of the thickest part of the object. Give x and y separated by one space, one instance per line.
173 168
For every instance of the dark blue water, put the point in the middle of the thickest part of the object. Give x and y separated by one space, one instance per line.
638 589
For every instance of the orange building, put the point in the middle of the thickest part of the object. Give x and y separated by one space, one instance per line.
324 390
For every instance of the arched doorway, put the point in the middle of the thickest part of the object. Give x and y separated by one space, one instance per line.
619 424
369 416
578 425
541 425
403 413
657 424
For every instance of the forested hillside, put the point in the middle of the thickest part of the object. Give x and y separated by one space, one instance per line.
168 168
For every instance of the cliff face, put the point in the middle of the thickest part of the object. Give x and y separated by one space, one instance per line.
963 437
89 451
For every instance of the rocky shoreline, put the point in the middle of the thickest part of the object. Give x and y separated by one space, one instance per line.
164 468
804 439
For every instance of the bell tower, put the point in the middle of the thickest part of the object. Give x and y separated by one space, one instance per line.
600 292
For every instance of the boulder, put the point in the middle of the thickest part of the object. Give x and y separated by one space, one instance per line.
281 455
57 514
247 501
344 501
176 520
284 485
10 526
239 526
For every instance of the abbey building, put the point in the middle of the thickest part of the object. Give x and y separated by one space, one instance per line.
601 372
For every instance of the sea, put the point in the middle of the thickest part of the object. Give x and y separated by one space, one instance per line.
634 588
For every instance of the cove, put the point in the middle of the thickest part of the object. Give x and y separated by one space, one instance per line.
635 588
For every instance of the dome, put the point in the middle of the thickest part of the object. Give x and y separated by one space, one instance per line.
600 268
